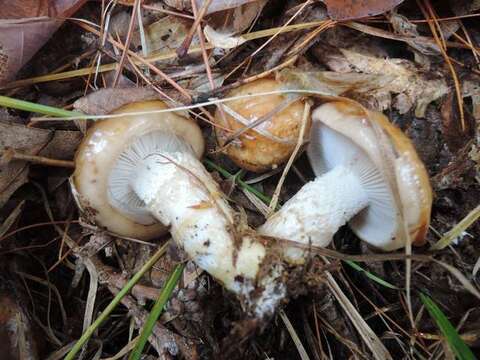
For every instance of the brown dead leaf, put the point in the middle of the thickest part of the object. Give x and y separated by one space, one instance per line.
18 341
412 87
31 141
354 9
14 174
237 19
215 5
106 100
452 132
63 145
403 26
25 25
165 34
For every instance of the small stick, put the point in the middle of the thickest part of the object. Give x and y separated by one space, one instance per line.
10 154
127 43
183 49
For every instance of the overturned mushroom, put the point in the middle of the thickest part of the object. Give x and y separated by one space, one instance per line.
275 122
356 183
140 173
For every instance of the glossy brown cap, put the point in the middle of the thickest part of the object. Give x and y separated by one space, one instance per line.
252 150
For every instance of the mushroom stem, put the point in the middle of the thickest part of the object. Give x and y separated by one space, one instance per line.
316 212
179 192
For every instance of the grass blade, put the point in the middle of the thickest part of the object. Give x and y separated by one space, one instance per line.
156 311
116 300
458 346
240 182
9 102
457 231
291 330
371 276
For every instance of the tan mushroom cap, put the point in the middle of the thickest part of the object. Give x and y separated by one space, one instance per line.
252 150
362 127
99 151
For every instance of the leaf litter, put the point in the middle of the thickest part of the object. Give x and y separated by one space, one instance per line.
385 57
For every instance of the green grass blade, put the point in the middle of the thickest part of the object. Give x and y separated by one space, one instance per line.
157 309
240 182
36 108
458 346
371 276
113 304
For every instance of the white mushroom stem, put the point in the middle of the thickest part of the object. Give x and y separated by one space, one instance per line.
316 212
180 193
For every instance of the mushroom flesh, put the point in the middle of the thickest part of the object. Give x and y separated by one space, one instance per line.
139 174
368 174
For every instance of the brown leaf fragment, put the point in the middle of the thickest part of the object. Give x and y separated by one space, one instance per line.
238 19
454 136
166 34
18 342
25 26
63 145
215 5
404 27
354 9
14 174
106 100
413 87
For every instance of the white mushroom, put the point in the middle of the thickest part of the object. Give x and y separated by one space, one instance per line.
138 170
353 184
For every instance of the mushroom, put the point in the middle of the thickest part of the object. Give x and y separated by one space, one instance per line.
368 173
272 141
140 173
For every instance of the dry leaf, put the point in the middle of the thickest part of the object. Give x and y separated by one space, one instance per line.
222 40
414 88
452 132
215 5
354 9
238 19
25 26
18 340
166 34
14 174
60 144
106 100
403 26
63 145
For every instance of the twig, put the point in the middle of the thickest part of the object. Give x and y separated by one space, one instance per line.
169 12
133 18
202 46
141 60
183 49
164 55
301 136
11 154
